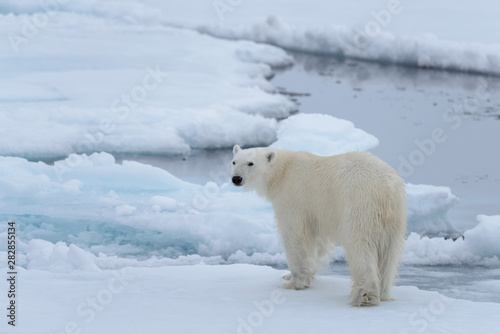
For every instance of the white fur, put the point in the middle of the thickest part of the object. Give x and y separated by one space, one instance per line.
354 199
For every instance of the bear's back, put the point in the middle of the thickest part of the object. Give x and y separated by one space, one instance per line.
305 177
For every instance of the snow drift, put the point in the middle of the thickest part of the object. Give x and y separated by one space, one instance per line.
389 33
167 94
229 299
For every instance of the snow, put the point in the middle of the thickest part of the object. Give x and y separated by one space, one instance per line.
424 51
483 239
478 246
229 299
167 94
386 32
58 258
427 210
322 134
380 31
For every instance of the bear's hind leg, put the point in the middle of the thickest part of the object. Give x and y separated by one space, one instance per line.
363 267
387 275
388 263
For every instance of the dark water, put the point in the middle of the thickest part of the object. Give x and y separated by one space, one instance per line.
196 167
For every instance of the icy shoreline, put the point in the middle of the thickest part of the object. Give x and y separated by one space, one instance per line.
380 32
385 48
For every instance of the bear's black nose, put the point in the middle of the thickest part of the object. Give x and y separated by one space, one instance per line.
237 180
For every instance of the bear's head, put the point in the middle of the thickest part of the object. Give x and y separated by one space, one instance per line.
251 166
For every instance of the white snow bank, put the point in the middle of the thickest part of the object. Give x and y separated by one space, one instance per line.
341 41
131 209
229 299
322 135
479 245
111 89
428 207
59 257
483 239
401 32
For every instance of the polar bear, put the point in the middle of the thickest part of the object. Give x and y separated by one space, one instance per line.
354 199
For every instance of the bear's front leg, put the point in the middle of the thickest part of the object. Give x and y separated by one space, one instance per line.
301 262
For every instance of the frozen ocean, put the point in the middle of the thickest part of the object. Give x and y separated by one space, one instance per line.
117 122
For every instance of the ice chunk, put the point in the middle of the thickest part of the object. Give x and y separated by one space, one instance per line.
484 239
125 210
322 134
479 245
428 208
141 95
59 257
163 203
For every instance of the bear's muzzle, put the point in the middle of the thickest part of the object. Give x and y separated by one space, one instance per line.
237 180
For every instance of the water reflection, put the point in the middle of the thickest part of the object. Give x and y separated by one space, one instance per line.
360 74
200 166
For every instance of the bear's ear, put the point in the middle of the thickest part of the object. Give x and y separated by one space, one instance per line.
270 156
236 149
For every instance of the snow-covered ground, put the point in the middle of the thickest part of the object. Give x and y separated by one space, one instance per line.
85 84
116 245
229 299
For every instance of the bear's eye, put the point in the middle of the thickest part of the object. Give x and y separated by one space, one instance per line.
234 163
250 164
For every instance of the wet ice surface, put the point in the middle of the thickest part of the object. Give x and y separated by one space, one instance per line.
476 283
